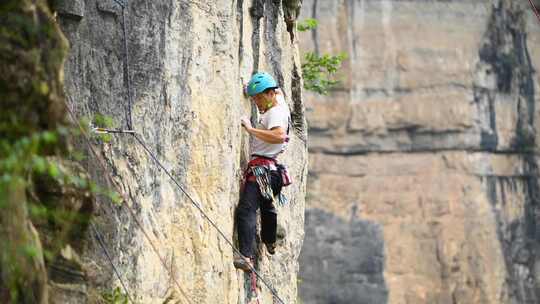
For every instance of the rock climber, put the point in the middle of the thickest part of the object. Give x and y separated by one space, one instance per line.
264 177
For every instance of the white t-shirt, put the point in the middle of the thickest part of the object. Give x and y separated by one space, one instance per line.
277 116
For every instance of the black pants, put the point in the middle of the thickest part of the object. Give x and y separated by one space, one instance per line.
246 215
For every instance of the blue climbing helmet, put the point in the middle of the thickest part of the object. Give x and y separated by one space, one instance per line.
260 82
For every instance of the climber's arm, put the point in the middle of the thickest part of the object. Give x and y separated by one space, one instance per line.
275 135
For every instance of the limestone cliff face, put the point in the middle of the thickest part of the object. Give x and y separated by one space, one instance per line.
186 63
423 184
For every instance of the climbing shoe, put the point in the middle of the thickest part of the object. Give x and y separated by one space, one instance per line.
243 263
271 248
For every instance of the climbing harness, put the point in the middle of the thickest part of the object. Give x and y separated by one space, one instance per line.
535 10
258 170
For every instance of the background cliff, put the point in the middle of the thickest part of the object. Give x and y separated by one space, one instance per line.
179 86
423 183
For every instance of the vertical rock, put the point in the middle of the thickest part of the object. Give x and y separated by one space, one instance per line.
433 142
188 61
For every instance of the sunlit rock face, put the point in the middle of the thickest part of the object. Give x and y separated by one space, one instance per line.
423 176
186 64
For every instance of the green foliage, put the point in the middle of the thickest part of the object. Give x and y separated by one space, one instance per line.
33 142
30 251
116 296
104 121
25 159
114 196
25 154
318 71
306 25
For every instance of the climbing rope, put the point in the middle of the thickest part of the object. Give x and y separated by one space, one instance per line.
253 270
99 238
192 200
535 10
117 188
123 5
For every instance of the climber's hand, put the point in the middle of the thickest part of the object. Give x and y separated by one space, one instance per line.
246 123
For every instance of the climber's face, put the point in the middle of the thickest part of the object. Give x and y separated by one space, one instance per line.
263 100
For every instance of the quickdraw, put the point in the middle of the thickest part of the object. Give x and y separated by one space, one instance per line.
254 292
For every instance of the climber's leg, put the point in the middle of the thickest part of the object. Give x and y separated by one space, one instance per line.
268 222
246 218
269 215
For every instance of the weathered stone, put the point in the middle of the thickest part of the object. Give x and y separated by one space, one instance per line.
70 8
432 138
111 6
346 262
67 278
187 63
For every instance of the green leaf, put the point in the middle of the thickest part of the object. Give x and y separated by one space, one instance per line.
95 189
318 71
38 211
306 25
115 197
103 121
53 170
39 164
43 88
78 156
6 178
116 296
49 137
30 251
106 138
78 182
48 254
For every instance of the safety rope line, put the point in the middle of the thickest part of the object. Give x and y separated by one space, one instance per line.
272 290
535 10
197 205
128 73
121 193
99 237
123 4
152 155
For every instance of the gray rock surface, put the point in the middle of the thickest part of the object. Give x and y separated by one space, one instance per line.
432 136
186 64
346 260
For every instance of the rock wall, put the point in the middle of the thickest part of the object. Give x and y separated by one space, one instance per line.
423 179
179 86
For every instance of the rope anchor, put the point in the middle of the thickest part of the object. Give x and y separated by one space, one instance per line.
99 130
